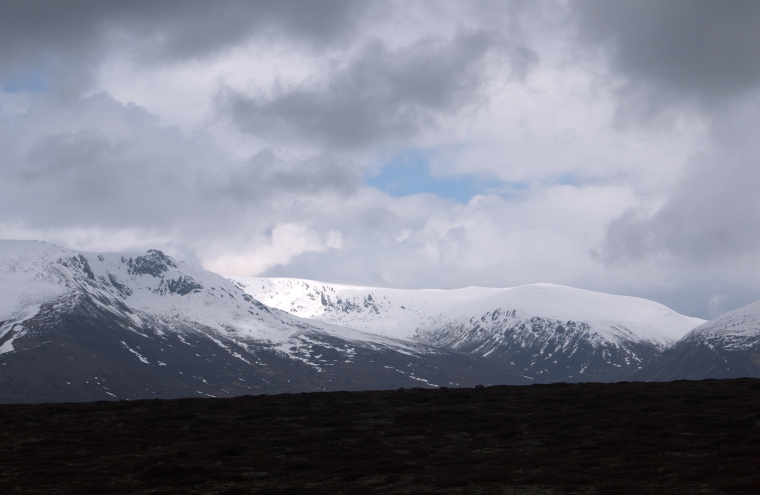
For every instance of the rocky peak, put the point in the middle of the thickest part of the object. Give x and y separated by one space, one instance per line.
154 263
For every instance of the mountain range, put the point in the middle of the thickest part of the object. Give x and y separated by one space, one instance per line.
79 326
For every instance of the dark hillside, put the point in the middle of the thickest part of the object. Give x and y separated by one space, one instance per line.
676 437
693 358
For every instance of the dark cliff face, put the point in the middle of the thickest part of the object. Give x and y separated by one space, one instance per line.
120 286
543 349
154 263
78 263
346 305
181 286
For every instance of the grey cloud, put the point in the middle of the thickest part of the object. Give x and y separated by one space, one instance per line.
197 29
700 49
67 38
705 55
266 173
713 215
119 168
699 297
380 95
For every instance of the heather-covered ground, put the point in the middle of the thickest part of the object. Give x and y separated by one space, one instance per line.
675 437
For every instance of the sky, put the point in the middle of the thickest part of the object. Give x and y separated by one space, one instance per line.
601 144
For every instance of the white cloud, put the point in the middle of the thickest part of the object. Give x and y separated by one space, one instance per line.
286 241
404 235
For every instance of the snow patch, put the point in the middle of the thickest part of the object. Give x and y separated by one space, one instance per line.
139 356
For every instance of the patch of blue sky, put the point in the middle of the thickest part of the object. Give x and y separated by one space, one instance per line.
34 80
408 173
567 180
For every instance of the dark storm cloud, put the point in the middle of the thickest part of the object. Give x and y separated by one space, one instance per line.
265 174
381 94
703 49
68 37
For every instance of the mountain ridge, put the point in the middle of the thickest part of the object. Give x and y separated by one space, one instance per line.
598 336
92 326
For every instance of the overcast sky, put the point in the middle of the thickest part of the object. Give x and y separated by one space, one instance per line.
606 145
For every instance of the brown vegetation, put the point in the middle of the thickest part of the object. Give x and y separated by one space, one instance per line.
676 437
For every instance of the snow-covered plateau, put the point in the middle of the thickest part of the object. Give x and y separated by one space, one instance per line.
543 331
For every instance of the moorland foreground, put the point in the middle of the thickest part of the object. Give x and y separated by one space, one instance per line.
672 437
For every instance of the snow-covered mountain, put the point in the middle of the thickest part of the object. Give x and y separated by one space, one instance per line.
544 332
726 347
88 326
390 312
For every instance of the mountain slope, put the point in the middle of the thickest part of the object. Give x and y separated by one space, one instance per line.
726 347
390 312
89 326
545 332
